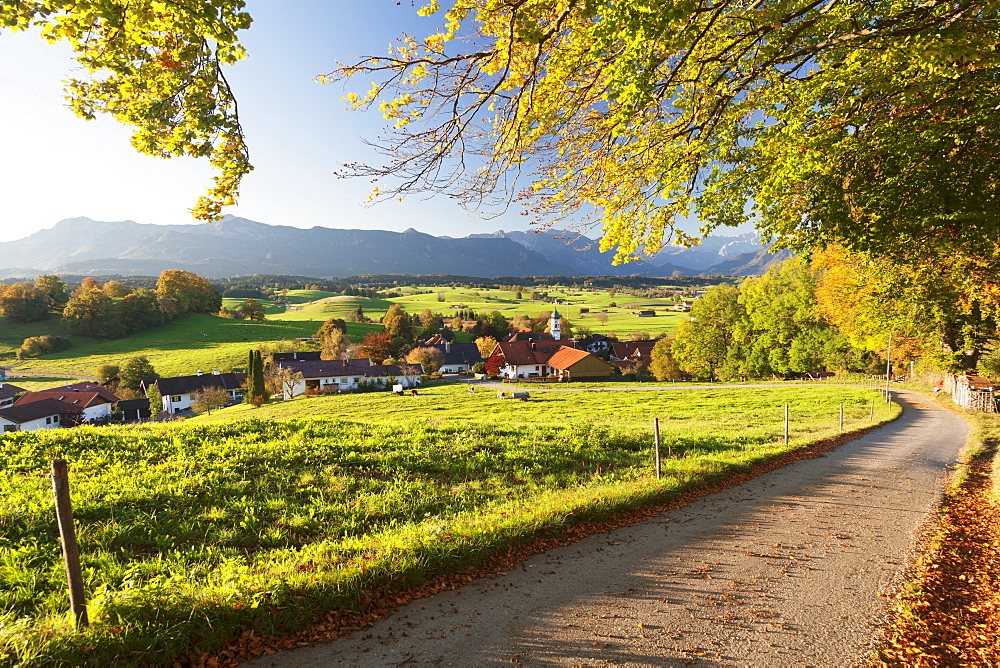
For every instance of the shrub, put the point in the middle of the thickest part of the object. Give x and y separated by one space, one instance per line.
33 346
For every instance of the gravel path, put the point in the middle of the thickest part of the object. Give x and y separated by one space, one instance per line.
788 569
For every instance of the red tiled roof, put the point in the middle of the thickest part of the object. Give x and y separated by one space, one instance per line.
89 386
566 357
530 352
77 399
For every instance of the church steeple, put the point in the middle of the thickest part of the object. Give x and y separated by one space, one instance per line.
555 325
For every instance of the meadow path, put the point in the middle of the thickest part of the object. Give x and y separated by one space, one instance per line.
789 569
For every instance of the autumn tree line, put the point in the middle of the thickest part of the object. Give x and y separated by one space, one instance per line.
108 310
833 310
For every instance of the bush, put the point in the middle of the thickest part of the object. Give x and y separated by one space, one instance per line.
479 367
33 346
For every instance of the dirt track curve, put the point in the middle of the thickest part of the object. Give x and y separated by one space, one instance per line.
790 569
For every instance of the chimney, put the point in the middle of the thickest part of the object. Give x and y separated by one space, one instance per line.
198 372
532 342
217 372
447 346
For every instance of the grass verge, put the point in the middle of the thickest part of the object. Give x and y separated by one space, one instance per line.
948 612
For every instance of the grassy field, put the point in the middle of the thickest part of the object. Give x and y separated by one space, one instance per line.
182 347
194 533
619 318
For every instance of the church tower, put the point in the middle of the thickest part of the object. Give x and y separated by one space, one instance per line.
555 325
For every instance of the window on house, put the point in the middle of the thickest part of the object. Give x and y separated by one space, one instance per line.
55 418
10 427
176 399
48 420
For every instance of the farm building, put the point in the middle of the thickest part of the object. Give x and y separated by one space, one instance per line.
572 364
330 376
178 392
972 392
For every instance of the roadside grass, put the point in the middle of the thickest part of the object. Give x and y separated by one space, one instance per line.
194 533
948 611
182 347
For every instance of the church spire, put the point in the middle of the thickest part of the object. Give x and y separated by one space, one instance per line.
555 325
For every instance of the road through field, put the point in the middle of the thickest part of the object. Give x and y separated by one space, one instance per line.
789 569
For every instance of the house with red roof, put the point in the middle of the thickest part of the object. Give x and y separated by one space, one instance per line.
545 358
41 414
92 404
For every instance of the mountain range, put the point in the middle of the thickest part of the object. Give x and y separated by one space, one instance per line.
236 246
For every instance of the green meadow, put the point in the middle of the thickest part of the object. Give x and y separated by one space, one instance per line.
262 520
182 347
585 308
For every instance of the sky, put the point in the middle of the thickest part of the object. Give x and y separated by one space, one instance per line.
54 165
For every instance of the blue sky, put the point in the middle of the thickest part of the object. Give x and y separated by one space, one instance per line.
55 165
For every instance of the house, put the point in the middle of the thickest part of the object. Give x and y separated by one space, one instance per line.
634 352
301 356
458 357
177 393
42 414
91 404
524 359
8 393
595 343
573 364
684 306
330 376
91 386
645 314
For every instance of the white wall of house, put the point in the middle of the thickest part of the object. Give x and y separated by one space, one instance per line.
51 422
346 383
181 402
525 370
455 368
98 411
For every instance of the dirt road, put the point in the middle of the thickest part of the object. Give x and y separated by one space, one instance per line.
789 569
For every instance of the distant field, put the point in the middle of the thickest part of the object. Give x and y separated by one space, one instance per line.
12 334
195 533
618 319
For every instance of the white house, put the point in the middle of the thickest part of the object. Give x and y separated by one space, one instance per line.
457 357
332 376
43 414
177 393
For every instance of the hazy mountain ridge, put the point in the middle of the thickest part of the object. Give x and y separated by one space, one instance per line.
237 246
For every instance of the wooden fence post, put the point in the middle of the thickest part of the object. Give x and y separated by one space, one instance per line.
871 417
67 534
656 444
841 416
786 424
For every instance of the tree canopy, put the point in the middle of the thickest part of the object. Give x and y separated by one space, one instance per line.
867 123
157 66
